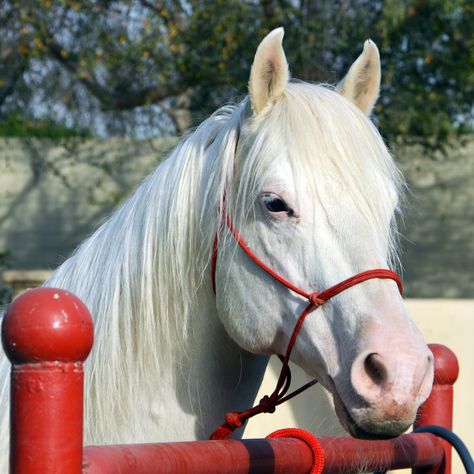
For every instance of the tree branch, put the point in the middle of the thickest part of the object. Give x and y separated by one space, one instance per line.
9 87
158 7
110 99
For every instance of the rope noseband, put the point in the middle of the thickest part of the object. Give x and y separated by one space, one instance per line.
315 299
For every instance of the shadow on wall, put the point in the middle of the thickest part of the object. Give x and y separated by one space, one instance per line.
54 195
438 242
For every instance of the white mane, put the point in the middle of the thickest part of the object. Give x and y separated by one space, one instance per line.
139 273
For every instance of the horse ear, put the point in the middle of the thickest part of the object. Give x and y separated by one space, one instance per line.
269 74
362 83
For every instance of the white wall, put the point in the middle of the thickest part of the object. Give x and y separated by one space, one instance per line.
444 321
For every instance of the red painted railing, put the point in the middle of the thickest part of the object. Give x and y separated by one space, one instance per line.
47 334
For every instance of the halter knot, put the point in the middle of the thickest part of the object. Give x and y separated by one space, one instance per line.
267 404
233 420
316 299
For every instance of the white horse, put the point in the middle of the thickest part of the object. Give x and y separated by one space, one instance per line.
310 185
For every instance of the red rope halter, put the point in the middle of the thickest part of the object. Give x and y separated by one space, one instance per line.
315 299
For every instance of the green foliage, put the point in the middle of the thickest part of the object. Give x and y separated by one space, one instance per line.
125 55
429 70
14 126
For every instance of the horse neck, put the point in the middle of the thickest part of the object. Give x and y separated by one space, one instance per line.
214 375
200 378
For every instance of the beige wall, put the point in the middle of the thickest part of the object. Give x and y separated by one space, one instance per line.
449 322
53 194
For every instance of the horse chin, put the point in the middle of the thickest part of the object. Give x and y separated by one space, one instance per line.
367 429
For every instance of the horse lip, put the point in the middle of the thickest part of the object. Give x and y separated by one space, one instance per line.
348 422
359 432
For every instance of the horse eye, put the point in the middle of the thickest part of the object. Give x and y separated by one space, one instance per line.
275 204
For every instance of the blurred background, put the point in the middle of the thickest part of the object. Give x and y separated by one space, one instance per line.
94 93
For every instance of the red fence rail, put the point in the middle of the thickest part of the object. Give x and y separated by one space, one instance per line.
269 456
47 334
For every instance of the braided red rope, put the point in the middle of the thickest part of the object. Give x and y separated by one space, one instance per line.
310 440
315 299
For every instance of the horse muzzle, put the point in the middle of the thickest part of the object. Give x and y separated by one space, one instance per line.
385 393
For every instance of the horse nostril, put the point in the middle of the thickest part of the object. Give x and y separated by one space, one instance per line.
375 368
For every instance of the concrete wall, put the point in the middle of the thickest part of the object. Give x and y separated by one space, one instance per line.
438 243
53 194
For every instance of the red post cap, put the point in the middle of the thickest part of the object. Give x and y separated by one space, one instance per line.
446 366
47 324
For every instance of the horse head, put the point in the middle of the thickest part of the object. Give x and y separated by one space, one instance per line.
314 193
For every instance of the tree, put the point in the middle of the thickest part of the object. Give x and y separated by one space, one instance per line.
141 67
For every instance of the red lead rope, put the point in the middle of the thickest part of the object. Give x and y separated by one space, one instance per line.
315 299
310 440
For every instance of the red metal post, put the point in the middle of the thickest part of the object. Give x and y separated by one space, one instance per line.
438 408
47 334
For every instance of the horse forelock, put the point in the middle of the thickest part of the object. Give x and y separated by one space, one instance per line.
324 137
